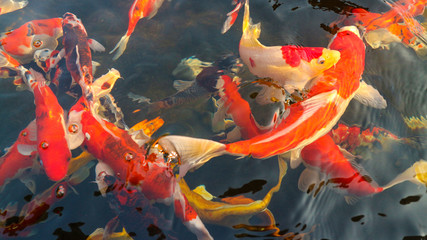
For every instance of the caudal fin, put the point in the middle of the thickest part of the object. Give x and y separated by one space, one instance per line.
120 47
250 31
417 174
193 152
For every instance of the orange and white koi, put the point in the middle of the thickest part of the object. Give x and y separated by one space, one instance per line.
291 66
21 43
139 9
7 6
326 101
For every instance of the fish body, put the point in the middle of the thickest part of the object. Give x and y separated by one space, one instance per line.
291 66
77 51
324 155
22 42
21 155
326 101
52 143
139 9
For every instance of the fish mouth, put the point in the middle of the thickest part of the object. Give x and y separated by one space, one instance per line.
352 29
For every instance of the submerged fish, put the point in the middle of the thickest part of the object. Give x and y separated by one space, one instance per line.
139 9
233 210
291 66
232 16
21 43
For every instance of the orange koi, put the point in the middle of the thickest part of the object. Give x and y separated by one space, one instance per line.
139 9
20 156
52 140
7 6
291 66
22 42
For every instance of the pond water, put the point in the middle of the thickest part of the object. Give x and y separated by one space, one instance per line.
183 28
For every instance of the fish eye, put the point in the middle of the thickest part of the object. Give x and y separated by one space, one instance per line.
60 191
44 145
128 156
73 128
24 134
37 43
321 60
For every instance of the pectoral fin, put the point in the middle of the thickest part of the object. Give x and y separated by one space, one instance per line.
369 96
181 85
26 149
295 158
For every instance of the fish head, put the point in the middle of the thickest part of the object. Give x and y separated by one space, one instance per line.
22 42
42 58
54 158
326 60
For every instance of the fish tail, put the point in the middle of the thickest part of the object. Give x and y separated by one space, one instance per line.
120 46
417 173
250 31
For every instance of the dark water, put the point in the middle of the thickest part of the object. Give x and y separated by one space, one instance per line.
183 28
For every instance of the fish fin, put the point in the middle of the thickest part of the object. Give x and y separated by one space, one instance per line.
95 45
110 227
351 200
75 137
369 96
234 135
308 180
347 154
231 18
181 85
81 174
29 183
201 190
95 66
139 137
104 84
26 149
77 162
193 152
120 47
9 211
218 119
32 131
417 174
251 31
138 98
295 158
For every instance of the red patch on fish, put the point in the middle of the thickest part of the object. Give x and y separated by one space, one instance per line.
293 54
252 62
188 214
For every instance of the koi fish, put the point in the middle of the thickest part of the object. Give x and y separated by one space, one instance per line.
98 234
77 47
291 66
20 156
139 9
230 211
232 16
7 6
414 122
159 185
396 25
53 145
22 42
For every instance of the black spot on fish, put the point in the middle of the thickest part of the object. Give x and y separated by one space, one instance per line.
295 8
253 95
276 4
382 214
253 186
58 210
154 230
357 218
410 199
337 6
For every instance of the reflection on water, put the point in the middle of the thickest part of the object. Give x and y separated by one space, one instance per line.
183 28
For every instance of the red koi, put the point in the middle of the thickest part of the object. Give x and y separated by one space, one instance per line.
22 42
139 9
